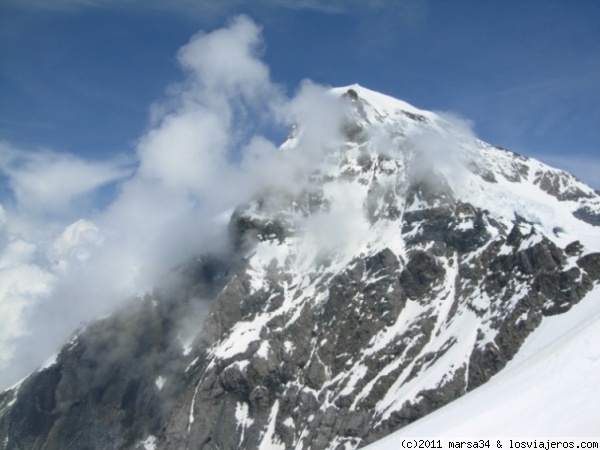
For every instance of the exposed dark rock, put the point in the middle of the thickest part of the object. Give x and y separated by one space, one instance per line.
574 248
420 275
415 117
245 231
588 215
429 400
351 95
560 185
99 392
484 363
591 264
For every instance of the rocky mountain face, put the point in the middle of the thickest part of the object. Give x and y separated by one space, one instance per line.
406 269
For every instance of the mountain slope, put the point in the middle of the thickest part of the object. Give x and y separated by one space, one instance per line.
555 371
403 267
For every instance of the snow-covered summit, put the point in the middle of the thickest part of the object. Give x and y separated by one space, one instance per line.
380 107
501 181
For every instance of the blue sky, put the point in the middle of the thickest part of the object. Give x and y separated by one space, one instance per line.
80 76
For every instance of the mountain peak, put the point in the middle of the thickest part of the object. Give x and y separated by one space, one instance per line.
380 107
377 99
404 267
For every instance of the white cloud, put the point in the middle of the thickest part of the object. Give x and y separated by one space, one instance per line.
440 150
75 245
340 229
22 282
202 156
185 151
48 182
226 62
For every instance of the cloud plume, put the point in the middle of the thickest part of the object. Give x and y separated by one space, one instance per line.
203 154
